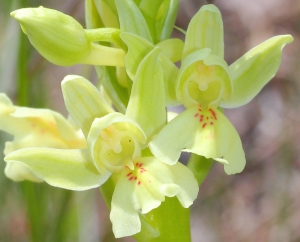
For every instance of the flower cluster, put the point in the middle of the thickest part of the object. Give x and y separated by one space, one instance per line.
134 146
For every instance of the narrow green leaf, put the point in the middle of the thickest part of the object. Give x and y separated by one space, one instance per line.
255 69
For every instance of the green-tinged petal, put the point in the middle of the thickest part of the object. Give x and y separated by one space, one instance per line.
205 31
165 19
124 217
114 140
32 127
138 48
204 132
69 169
172 48
204 79
170 72
144 188
178 175
253 70
174 137
132 20
147 101
19 172
83 101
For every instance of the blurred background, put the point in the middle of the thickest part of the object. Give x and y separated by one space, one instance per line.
261 204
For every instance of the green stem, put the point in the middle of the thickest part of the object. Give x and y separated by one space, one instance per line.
33 211
105 34
200 166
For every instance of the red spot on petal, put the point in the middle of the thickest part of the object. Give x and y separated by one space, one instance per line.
135 178
42 131
139 182
213 113
130 178
206 118
203 126
211 123
196 115
129 174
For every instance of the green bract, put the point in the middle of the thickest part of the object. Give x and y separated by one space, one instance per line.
63 41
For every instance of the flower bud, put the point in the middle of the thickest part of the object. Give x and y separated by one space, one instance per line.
58 37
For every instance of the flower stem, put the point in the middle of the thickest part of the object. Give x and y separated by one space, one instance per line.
200 166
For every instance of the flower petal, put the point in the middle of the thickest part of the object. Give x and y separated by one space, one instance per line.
175 136
204 79
138 48
147 101
69 169
172 49
19 172
204 132
205 31
125 219
144 188
83 101
254 70
114 140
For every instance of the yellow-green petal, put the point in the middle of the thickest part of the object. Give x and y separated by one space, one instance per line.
69 169
114 140
255 69
204 132
83 101
205 31
204 79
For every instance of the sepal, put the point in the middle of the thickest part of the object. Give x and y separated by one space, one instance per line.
255 69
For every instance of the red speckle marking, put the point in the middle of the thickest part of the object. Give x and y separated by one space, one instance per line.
129 173
196 115
135 178
211 123
213 113
130 178
207 118
42 131
139 182
203 126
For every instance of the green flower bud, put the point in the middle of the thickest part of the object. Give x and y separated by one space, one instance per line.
63 41
58 37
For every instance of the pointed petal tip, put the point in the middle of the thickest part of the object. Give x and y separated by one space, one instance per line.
210 7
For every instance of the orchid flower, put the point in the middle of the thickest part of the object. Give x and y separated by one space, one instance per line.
206 82
115 144
34 128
